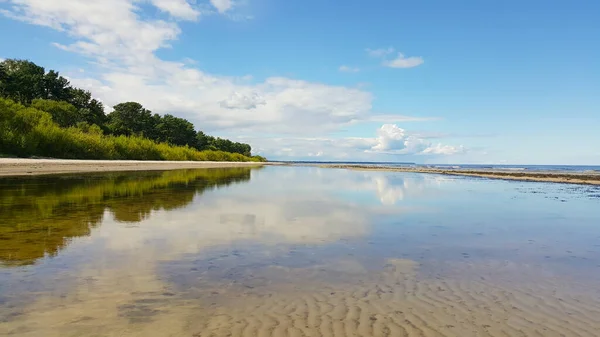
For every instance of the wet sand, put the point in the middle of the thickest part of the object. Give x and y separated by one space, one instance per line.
23 167
541 176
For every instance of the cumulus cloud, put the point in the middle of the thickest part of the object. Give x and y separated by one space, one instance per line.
222 5
400 61
404 62
444 149
348 69
389 140
177 8
243 101
390 137
394 140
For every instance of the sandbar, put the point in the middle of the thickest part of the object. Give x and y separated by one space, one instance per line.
586 178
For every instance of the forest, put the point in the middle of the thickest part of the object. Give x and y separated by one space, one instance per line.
43 115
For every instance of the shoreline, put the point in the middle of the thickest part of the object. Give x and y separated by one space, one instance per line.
14 167
563 177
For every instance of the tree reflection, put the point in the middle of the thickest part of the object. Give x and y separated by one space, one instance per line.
39 216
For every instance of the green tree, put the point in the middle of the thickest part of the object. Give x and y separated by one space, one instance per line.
63 113
23 80
204 141
90 109
175 130
131 118
56 87
3 79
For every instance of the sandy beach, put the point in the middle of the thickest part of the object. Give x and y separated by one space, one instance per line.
592 178
23 167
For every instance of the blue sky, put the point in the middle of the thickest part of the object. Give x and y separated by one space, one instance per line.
514 82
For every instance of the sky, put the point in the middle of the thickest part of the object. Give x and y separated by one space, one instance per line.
495 82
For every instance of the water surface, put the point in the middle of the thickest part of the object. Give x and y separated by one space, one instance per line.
297 251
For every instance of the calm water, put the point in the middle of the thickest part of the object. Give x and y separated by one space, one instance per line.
297 251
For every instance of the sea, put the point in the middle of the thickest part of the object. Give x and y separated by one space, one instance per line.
297 250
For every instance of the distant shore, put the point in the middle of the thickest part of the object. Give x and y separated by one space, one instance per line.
541 176
27 167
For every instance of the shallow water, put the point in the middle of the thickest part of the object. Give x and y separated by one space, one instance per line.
297 251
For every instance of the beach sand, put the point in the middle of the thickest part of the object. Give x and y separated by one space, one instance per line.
541 176
22 167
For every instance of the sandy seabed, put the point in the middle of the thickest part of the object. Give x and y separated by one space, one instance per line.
396 301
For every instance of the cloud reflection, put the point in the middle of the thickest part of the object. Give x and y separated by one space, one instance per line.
122 280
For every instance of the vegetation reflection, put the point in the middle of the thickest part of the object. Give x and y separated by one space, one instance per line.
40 215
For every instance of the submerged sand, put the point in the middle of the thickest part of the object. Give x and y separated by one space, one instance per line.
22 167
393 302
591 178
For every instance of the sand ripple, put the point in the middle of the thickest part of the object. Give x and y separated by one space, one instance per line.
395 303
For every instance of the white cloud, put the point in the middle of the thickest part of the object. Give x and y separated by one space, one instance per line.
400 61
348 69
444 149
177 8
123 44
222 5
390 137
110 29
390 140
243 101
393 140
404 62
381 52
392 118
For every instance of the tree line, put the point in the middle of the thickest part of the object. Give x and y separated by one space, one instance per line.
30 85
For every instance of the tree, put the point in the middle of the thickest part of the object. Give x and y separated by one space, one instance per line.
91 110
204 141
56 87
131 118
175 130
3 79
63 113
23 80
